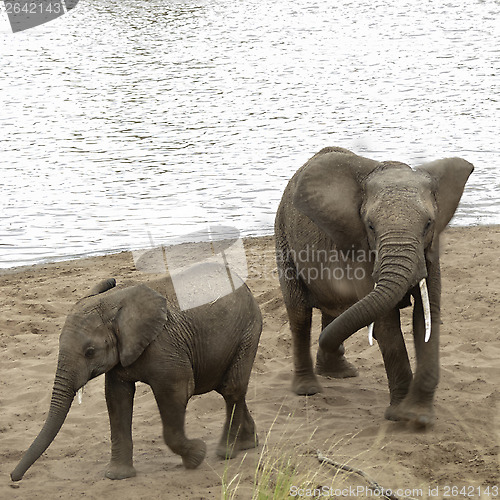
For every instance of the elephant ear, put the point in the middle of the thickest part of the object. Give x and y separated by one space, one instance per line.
449 176
329 192
140 319
101 287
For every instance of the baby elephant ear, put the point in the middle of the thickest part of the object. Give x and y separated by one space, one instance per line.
140 319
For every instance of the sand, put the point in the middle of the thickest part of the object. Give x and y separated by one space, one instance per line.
345 422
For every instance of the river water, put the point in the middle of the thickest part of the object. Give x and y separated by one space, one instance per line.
128 123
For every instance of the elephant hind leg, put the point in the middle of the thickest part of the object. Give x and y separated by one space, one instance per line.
239 428
333 364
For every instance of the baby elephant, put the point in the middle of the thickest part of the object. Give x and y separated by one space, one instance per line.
139 333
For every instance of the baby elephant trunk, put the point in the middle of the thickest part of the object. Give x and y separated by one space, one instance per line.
62 398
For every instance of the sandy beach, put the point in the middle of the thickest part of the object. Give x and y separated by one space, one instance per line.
457 458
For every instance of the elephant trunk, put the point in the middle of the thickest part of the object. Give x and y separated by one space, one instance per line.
63 394
401 267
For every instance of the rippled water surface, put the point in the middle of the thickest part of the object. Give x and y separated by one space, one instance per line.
130 122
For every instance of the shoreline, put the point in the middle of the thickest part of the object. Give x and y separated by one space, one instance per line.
104 253
91 255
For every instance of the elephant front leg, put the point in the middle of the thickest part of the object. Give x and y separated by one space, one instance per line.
418 406
172 406
120 401
333 364
304 382
389 336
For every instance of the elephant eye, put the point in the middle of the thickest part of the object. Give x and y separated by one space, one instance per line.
370 226
89 352
427 226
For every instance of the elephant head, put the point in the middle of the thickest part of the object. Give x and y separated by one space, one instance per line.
386 209
103 330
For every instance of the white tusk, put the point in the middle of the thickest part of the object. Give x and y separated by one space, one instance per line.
427 309
370 333
370 326
79 395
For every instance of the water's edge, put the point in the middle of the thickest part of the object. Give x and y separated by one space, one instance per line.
92 255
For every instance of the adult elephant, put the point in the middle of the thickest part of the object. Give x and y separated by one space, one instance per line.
139 333
355 238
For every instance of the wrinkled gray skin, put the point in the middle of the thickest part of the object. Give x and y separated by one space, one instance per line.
135 334
389 217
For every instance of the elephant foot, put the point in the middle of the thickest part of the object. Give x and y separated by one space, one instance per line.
334 365
195 454
226 451
306 385
119 471
419 416
343 369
